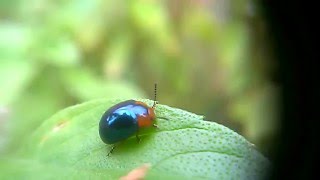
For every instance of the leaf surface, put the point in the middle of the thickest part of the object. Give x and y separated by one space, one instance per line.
184 146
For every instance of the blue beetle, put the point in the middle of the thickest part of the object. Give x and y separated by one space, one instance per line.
124 119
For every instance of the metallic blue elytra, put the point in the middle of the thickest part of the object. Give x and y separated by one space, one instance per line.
123 120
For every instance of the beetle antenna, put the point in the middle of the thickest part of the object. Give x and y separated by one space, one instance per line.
155 96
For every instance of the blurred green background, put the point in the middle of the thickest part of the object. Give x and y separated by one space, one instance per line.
212 58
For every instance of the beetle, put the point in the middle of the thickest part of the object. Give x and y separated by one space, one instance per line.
124 119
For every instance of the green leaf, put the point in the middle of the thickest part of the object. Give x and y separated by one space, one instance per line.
31 169
43 97
184 146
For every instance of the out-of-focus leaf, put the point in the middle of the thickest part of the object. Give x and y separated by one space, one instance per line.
14 77
85 85
15 70
261 121
233 48
117 57
185 146
54 50
13 40
87 27
152 19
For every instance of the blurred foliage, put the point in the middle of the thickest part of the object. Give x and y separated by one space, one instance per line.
209 57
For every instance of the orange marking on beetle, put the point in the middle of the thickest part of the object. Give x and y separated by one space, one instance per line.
141 103
151 113
144 121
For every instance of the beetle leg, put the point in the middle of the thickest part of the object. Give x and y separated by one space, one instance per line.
164 118
138 138
111 150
